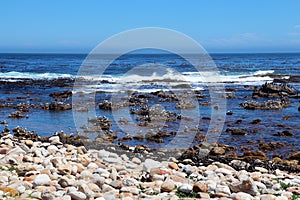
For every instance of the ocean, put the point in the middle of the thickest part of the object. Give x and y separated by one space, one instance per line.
29 78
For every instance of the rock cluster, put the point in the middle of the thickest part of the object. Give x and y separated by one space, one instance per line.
53 170
266 105
271 90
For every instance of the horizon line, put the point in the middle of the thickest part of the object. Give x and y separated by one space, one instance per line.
80 53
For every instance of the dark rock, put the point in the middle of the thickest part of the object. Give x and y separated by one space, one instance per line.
229 112
256 121
255 154
267 105
295 156
270 146
284 133
271 90
107 105
58 106
185 105
17 115
61 95
239 121
230 95
217 151
103 122
236 131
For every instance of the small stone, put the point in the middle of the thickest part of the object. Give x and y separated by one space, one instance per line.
150 164
77 195
242 196
37 195
167 186
136 160
199 187
189 169
223 171
42 179
116 184
113 160
261 169
29 143
107 188
54 139
185 188
132 190
109 196
267 197
103 154
174 166
92 166
178 179
223 189
52 149
218 151
47 195
204 196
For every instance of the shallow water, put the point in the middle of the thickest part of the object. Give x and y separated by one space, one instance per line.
236 71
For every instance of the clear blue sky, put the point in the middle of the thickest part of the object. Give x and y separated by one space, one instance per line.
218 25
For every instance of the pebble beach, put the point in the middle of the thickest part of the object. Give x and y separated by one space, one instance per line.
49 170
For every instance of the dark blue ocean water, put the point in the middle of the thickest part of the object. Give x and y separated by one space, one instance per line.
237 71
285 63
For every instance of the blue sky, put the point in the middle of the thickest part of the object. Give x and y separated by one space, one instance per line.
218 25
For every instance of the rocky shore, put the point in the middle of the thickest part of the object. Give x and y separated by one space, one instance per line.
49 168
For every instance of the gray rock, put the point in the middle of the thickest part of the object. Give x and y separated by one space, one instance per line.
109 196
103 154
150 164
77 195
112 160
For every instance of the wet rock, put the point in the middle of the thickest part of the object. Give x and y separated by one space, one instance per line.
185 105
256 121
17 115
295 156
108 105
218 151
58 106
236 131
255 154
271 90
270 146
266 105
284 133
61 95
102 122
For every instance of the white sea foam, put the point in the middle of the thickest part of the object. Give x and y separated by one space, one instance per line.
170 77
36 76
